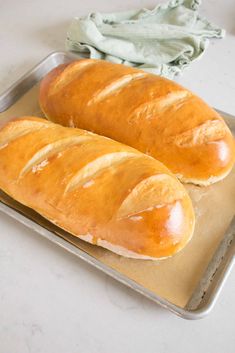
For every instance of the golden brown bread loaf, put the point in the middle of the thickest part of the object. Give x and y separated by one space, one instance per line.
97 189
150 113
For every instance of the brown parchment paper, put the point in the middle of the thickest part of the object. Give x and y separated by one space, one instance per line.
173 279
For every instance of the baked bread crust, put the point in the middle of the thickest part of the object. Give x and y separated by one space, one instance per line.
97 189
150 113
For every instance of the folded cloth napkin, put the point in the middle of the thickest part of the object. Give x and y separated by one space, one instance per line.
163 41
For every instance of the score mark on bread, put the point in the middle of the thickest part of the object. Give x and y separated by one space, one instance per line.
52 149
167 190
16 130
115 86
210 131
98 165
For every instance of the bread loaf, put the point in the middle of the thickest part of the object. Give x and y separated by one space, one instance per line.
150 113
97 189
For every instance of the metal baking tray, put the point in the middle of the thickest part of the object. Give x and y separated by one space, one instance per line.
210 284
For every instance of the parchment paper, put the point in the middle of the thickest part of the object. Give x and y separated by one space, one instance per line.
173 279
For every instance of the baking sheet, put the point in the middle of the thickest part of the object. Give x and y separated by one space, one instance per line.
173 279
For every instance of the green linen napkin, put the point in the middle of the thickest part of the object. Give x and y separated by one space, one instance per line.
163 41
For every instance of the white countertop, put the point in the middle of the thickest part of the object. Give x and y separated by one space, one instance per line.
50 301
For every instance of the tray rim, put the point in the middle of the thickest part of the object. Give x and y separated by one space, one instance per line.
8 98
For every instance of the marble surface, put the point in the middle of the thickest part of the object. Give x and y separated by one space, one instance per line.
50 301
